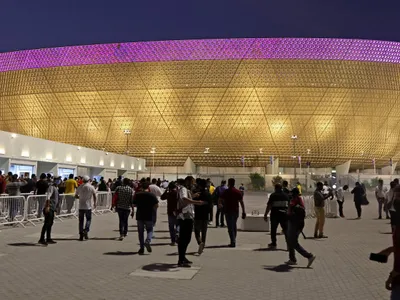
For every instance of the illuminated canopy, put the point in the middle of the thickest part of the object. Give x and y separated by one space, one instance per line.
233 96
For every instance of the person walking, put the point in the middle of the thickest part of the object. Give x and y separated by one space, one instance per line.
390 204
277 205
319 206
380 193
229 200
49 213
70 188
185 216
296 216
171 195
155 190
359 195
201 215
123 206
145 203
219 216
86 194
340 198
42 185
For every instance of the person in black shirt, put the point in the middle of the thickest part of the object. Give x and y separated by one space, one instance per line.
277 205
201 214
145 203
359 195
30 185
41 189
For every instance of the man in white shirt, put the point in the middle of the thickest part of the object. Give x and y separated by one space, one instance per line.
155 189
380 194
340 198
85 193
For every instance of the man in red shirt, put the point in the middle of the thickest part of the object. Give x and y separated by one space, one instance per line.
3 183
230 200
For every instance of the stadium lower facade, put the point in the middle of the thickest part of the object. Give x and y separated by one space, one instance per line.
238 98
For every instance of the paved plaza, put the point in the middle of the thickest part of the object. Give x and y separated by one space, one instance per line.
104 268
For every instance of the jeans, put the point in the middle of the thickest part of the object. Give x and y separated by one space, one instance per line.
211 213
276 219
381 205
320 222
185 236
200 230
219 217
47 225
82 214
70 199
123 215
41 202
340 203
231 220
172 226
395 295
358 208
149 229
293 241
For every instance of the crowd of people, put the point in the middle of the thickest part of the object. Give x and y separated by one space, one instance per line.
190 208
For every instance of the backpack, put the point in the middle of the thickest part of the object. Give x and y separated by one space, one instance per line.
180 205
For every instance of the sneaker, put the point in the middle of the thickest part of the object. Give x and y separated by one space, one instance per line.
315 236
321 236
210 223
186 261
125 235
201 248
148 247
172 244
310 261
182 264
291 263
232 245
141 251
121 238
42 242
86 236
272 246
81 237
50 241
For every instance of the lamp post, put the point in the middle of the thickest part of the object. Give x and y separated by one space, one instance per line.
294 139
153 152
127 133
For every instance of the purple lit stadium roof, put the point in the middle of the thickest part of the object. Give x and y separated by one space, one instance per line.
218 49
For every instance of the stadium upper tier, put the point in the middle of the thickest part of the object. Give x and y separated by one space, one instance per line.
233 96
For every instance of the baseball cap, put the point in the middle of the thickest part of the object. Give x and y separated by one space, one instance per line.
85 178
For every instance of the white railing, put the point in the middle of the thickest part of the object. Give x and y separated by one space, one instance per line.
331 207
34 208
27 208
12 210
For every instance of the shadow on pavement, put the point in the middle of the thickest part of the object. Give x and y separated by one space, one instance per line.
161 238
217 247
282 268
270 249
187 253
160 267
103 239
385 232
159 244
25 245
352 219
120 253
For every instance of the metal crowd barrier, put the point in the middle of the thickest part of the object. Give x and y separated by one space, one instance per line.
331 207
35 205
67 206
104 203
12 210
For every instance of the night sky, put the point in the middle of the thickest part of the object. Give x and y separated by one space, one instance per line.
28 24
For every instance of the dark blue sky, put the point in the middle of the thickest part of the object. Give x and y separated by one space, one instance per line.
26 24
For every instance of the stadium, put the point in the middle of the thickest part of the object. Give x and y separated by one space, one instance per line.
215 101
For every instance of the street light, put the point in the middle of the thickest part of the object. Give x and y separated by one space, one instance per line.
127 132
153 151
294 139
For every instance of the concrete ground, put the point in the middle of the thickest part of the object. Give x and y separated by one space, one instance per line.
104 268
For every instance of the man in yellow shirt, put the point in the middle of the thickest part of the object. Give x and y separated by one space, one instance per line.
70 187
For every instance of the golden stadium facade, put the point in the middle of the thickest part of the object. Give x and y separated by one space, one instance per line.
233 96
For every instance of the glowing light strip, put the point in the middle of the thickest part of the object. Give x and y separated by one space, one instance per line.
216 49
